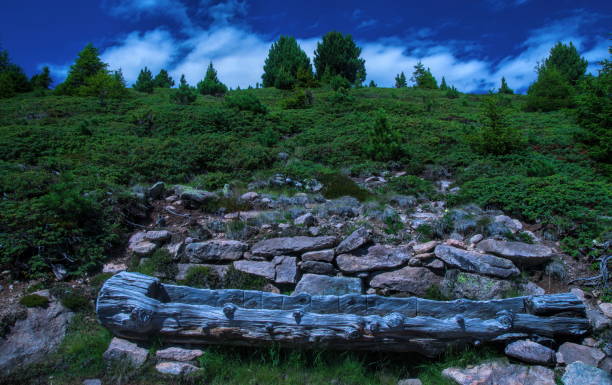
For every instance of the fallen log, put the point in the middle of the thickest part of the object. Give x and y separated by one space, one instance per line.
137 307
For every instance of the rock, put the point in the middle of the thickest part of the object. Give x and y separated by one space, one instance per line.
501 373
215 250
175 368
426 247
114 268
606 309
531 288
59 271
305 220
606 365
513 225
476 238
556 269
263 269
578 373
143 248
314 284
476 263
123 350
410 381
195 198
403 201
598 320
183 269
436 266
455 243
530 352
315 267
32 338
249 196
379 257
413 280
282 156
175 249
291 245
358 238
93 381
158 236
157 190
570 352
518 252
321 255
178 354
314 231
286 269
459 284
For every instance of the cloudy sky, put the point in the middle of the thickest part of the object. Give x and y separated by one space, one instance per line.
473 43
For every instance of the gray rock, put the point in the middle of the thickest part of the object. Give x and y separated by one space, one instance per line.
215 250
263 269
598 320
403 201
556 269
292 245
183 269
531 288
578 373
379 257
92 381
358 238
323 285
158 236
249 196
157 190
175 368
31 339
282 156
305 220
178 354
513 225
501 373
459 284
59 271
410 381
476 263
476 238
286 269
424 248
143 248
570 352
123 350
606 309
436 266
530 352
413 280
320 255
518 252
316 267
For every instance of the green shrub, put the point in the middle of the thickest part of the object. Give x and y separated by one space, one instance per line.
452 93
300 99
245 101
34 300
159 262
338 185
236 279
412 185
550 92
185 94
338 82
495 136
383 142
211 181
202 277
594 114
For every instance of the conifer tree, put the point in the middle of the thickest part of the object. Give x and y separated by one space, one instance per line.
144 83
383 141
400 81
567 61
14 80
443 85
104 85
550 92
211 85
286 65
163 80
42 80
337 54
372 84
505 89
423 78
185 94
88 63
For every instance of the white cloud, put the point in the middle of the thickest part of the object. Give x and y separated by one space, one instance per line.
139 8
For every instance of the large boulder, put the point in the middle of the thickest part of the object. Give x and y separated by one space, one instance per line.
530 352
570 352
178 354
291 245
260 268
317 267
578 373
473 262
215 250
32 338
314 284
459 284
358 238
125 351
285 268
320 255
175 368
194 197
379 257
524 254
501 373
412 280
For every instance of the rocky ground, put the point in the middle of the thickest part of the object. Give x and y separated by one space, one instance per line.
305 243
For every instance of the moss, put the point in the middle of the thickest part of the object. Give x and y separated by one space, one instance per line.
338 185
236 279
34 300
160 263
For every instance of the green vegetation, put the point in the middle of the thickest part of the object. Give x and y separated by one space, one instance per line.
202 277
423 78
185 94
496 136
159 263
34 300
163 80
145 82
504 88
413 185
337 54
287 65
211 85
400 81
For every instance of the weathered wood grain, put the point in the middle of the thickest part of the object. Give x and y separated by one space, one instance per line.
136 306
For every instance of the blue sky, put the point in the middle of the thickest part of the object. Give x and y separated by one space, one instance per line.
473 43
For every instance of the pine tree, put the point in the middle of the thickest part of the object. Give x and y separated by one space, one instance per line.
104 85
496 136
443 85
372 84
337 54
567 61
42 80
400 81
211 85
550 92
163 80
14 80
504 89
423 78
185 93
383 141
144 83
286 64
88 63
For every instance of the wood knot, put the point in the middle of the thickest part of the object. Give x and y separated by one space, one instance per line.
269 327
505 318
298 314
373 327
460 321
229 309
394 319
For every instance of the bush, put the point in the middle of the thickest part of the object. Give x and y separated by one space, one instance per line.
211 85
300 99
211 181
495 136
383 142
245 101
34 300
338 185
202 277
337 82
236 279
160 262
550 92
185 94
412 185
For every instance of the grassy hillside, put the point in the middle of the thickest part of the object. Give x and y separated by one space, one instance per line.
68 165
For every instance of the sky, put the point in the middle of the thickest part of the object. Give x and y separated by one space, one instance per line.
472 43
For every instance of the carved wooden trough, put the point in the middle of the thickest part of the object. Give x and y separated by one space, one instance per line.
137 306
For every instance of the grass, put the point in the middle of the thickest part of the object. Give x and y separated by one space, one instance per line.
34 300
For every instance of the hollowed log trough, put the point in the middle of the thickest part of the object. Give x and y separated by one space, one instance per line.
137 307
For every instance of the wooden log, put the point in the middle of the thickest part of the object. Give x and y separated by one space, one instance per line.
137 306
